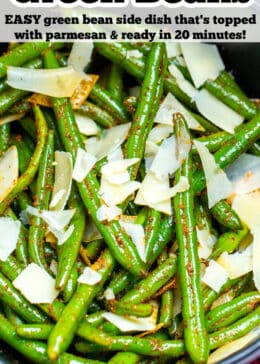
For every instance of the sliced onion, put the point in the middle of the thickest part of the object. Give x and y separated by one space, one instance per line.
109 142
217 112
237 264
115 194
11 117
108 213
244 173
183 84
36 285
8 172
218 185
231 348
80 55
86 125
136 232
62 180
90 277
173 49
58 82
9 231
169 107
132 323
215 276
82 91
203 61
84 163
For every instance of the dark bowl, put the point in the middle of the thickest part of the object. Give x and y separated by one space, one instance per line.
243 60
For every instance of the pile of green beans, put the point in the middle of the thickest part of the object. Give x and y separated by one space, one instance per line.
72 328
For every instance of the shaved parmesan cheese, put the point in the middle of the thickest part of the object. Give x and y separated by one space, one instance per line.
134 53
11 117
110 141
244 173
173 49
231 348
116 155
62 180
36 285
165 161
136 232
132 323
206 241
159 133
169 107
218 185
91 232
215 276
62 235
203 61
55 219
84 163
247 207
116 172
108 213
80 55
217 112
151 149
183 84
109 294
114 194
58 82
86 125
238 263
82 91
8 172
90 277
9 232
54 267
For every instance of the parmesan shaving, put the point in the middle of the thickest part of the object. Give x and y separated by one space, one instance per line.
90 277
108 213
215 276
86 125
84 163
136 232
9 232
8 172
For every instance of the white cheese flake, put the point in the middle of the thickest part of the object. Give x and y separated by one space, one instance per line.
215 276
136 232
113 194
86 125
217 112
218 185
135 53
9 232
90 277
84 163
36 285
183 84
8 171
108 213
109 294
116 172
203 61
173 49
206 242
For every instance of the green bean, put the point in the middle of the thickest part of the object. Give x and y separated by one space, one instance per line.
146 288
93 248
34 331
34 350
22 106
228 242
11 297
147 107
71 284
49 117
105 99
5 133
129 358
213 141
130 103
166 308
24 53
226 216
24 153
195 334
26 178
126 254
44 184
115 82
120 281
100 116
10 268
138 310
152 230
232 98
233 148
70 249
236 330
12 316
227 313
28 125
64 330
